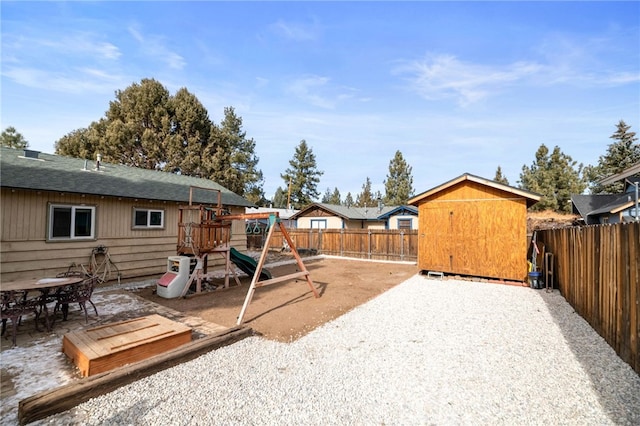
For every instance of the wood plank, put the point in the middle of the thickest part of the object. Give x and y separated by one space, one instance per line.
283 278
103 348
64 398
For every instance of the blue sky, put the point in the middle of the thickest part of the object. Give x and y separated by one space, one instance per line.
455 86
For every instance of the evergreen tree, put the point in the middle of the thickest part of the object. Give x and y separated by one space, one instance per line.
303 176
327 196
500 178
331 197
621 154
11 138
139 124
555 178
237 153
399 183
189 135
83 143
348 200
146 127
280 199
335 197
366 197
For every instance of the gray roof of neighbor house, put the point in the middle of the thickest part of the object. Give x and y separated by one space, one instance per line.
282 213
352 213
27 169
595 204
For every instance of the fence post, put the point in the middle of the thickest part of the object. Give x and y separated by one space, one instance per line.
369 249
401 245
341 237
319 250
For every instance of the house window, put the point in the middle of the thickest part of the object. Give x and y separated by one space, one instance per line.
318 223
71 222
147 218
404 224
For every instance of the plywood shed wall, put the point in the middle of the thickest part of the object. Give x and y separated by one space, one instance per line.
472 226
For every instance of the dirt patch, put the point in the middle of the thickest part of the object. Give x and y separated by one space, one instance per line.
548 219
288 310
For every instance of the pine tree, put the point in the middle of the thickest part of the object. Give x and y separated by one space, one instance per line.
335 197
327 196
303 175
621 154
399 182
555 178
331 197
11 138
500 178
280 199
366 197
242 176
147 127
348 200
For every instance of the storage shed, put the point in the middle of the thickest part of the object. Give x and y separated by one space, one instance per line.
474 226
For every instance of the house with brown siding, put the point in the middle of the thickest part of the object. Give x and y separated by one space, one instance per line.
474 226
55 210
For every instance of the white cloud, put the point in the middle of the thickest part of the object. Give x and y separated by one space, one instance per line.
154 46
88 81
318 91
295 31
445 76
308 89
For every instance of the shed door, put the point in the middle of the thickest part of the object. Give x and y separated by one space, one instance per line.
450 239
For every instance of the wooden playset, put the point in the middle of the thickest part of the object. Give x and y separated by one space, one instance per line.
203 230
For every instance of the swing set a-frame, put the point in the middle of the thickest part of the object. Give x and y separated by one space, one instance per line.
204 230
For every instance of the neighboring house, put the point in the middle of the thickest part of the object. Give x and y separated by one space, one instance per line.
56 209
284 215
611 208
334 216
474 226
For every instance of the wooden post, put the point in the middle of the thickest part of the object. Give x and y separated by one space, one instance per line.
273 220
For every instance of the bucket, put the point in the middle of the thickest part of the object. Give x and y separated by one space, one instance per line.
534 279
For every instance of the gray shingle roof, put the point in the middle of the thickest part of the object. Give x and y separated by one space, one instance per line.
595 204
350 213
50 172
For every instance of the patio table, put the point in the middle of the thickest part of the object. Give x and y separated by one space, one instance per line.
15 300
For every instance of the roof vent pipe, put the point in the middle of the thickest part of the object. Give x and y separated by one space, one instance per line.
28 153
86 162
99 158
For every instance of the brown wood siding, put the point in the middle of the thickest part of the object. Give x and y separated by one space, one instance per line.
597 270
378 244
26 253
472 229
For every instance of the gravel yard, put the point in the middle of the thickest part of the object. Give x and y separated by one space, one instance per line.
424 352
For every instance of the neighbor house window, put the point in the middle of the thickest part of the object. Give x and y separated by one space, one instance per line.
404 224
147 218
318 223
71 222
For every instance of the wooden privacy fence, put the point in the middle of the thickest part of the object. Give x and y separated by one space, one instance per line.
598 273
375 244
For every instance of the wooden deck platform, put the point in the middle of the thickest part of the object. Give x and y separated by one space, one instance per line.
109 346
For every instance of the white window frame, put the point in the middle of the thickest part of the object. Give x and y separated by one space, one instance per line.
72 225
148 224
315 223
